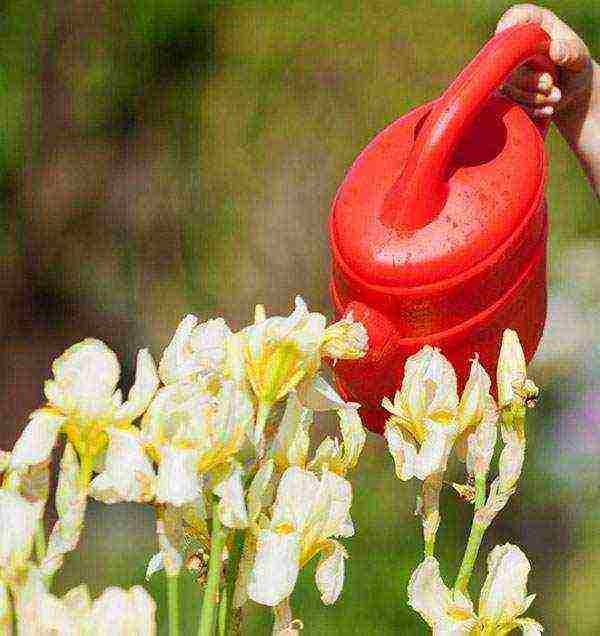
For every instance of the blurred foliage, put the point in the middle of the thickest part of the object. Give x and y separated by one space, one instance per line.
167 156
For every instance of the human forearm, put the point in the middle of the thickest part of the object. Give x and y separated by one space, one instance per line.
580 126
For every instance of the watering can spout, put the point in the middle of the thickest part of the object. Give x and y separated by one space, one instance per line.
419 193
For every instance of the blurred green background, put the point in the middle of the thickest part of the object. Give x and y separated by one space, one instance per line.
163 157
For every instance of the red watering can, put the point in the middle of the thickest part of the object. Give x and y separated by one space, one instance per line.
438 232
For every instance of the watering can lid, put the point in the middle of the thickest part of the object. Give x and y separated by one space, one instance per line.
448 184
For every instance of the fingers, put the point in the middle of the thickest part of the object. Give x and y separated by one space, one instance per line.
567 49
535 100
522 14
532 81
570 53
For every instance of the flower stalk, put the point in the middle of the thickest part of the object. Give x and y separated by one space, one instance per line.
479 491
470 556
173 603
231 620
211 592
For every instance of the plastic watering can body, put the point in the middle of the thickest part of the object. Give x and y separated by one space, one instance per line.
438 232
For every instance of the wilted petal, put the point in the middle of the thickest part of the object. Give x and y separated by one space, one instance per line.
512 371
174 362
529 627
275 568
433 454
143 390
128 474
232 506
18 523
328 455
37 440
403 452
5 611
481 444
169 529
123 613
315 393
345 339
504 593
259 493
511 460
353 435
70 507
34 483
475 398
329 575
178 482
195 351
290 445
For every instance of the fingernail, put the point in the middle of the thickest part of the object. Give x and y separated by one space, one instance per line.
547 111
555 95
545 81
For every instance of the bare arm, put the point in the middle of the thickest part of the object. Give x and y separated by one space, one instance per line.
573 101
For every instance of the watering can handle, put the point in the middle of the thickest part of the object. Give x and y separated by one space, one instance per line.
420 192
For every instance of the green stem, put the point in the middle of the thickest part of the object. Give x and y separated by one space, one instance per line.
429 547
264 408
470 556
223 604
211 592
233 566
479 491
173 604
475 538
40 541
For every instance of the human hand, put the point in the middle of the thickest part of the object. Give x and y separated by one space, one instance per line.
539 93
